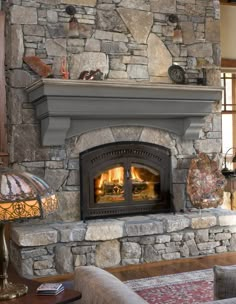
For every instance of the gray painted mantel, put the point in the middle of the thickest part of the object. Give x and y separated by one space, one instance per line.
71 107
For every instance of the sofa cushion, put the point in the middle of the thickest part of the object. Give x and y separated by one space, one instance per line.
101 287
224 282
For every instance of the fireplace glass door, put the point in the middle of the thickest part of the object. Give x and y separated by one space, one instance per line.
134 182
125 178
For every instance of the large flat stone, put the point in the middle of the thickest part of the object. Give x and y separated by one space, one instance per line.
104 230
108 254
147 227
36 235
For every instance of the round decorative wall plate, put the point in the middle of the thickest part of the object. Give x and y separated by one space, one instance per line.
177 74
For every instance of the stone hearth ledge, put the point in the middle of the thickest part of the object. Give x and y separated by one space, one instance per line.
69 108
49 249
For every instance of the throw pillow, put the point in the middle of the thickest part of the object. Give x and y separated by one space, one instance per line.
224 282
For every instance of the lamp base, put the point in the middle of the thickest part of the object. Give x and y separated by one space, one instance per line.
11 291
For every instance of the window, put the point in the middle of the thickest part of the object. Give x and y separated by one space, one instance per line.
229 115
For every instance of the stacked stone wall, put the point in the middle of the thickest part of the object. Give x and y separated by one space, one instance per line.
43 250
129 41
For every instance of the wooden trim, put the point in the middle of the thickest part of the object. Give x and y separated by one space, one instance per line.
3 130
228 63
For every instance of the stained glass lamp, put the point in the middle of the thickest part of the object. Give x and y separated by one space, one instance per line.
23 196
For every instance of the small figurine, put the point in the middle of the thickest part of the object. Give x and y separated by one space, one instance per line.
91 75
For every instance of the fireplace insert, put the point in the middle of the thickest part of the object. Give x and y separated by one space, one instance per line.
125 178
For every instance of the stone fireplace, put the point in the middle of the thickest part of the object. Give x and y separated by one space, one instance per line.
53 123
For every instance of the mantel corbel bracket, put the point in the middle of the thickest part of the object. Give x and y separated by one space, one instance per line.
192 127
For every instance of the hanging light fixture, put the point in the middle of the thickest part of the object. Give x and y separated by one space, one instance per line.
177 35
73 22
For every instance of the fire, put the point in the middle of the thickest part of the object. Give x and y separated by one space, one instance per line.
116 176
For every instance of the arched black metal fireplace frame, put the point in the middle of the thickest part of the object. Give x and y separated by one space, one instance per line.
100 158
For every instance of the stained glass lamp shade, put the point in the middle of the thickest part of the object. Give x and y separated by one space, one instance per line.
23 196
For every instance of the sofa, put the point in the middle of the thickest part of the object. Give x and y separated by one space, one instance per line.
101 287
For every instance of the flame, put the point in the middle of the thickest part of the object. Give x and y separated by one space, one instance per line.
116 175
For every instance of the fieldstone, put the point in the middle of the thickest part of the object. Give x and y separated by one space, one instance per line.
81 250
119 37
52 16
179 196
32 253
45 272
109 20
44 264
63 259
210 145
93 45
176 237
184 251
70 232
117 75
108 254
147 240
126 133
200 50
227 220
17 47
137 71
56 47
162 239
188 32
176 223
104 230
23 15
103 35
141 4
73 179
130 250
34 30
202 236
193 249
159 57
222 236
16 99
69 206
163 6
130 261
221 249
203 222
208 246
56 177
92 139
80 260
171 256
147 227
91 3
33 235
88 61
20 78
150 254
212 30
57 30
138 22
113 47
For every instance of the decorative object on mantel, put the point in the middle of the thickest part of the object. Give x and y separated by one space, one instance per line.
38 66
225 171
23 196
73 23
64 68
176 74
91 75
205 182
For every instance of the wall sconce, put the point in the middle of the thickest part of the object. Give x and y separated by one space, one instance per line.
177 35
225 171
73 22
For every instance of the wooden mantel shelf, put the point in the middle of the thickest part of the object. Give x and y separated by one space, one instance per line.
69 108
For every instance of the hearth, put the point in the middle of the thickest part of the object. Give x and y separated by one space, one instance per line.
125 178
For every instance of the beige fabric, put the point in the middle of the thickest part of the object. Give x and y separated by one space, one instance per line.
100 287
224 282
